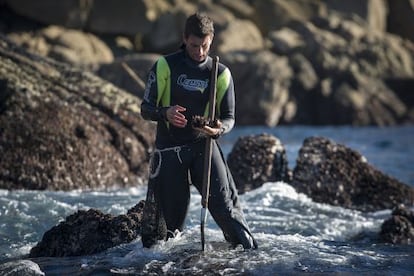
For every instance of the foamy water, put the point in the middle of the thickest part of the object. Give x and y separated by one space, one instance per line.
295 234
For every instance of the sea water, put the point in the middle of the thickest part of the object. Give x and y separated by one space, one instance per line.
295 234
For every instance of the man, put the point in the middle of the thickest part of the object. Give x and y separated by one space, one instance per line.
177 90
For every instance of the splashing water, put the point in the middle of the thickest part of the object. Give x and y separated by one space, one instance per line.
295 234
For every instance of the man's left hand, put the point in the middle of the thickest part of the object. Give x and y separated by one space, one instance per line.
211 131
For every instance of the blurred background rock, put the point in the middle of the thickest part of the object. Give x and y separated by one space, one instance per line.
309 62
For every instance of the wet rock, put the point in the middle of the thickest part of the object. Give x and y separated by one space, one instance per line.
257 159
64 128
399 229
20 267
334 174
88 232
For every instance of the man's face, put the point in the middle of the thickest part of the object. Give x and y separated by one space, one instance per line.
198 48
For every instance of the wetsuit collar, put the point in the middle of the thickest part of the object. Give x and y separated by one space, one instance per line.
194 64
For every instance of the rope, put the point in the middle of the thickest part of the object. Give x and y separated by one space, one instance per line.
158 152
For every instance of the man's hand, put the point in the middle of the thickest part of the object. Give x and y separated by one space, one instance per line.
175 117
211 131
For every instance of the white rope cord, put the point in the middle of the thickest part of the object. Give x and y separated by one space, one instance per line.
158 152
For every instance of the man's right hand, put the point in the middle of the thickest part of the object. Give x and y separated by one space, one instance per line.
175 117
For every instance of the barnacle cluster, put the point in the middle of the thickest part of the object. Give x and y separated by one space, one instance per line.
200 121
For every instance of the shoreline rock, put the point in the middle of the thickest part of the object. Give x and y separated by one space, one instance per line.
399 229
332 173
63 128
256 159
87 232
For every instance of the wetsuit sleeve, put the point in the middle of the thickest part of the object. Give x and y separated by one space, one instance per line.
226 100
152 106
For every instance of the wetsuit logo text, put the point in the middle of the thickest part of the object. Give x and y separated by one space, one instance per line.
192 84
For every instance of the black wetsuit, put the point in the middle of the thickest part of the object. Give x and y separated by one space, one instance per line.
178 160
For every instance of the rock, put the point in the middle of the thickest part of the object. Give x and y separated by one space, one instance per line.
304 84
285 41
88 232
63 129
239 35
220 15
262 81
358 100
351 43
68 13
374 12
241 9
166 35
350 70
21 267
330 55
66 45
399 229
130 17
272 15
334 174
401 18
105 17
402 88
257 159
133 82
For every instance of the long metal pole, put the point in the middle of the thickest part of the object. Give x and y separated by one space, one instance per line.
208 150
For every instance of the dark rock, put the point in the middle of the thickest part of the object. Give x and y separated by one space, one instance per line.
401 17
402 88
129 73
332 173
63 128
257 159
266 90
399 229
89 232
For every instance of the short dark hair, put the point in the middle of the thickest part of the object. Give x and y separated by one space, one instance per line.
198 24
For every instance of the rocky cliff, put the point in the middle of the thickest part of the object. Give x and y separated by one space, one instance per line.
296 61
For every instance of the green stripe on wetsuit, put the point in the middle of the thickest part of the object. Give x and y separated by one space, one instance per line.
223 82
163 82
